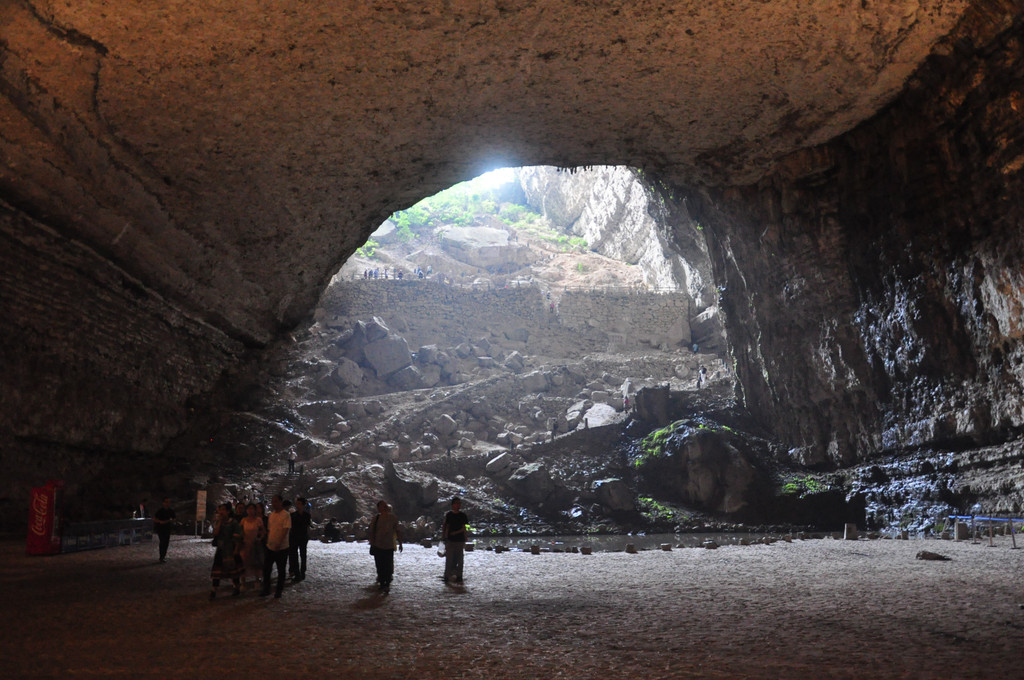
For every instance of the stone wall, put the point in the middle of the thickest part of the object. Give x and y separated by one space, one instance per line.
633 318
425 311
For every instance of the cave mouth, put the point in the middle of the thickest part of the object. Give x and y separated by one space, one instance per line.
491 342
506 223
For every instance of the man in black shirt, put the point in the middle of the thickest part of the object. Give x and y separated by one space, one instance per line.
297 540
454 534
162 521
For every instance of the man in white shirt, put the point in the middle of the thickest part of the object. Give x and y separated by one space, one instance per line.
279 524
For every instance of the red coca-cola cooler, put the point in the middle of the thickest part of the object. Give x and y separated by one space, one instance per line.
44 519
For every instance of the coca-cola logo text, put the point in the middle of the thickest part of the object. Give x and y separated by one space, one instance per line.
40 511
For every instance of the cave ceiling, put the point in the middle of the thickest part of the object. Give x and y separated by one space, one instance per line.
231 154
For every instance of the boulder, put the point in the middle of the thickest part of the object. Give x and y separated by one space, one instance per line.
387 355
701 466
348 373
428 354
499 464
430 375
515 362
533 382
326 384
532 482
614 494
445 425
600 414
409 497
407 378
375 330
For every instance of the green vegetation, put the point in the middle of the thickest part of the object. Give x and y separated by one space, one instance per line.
462 205
803 486
656 512
653 445
468 204
368 249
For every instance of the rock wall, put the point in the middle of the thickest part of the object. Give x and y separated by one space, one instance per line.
620 217
95 366
872 285
428 312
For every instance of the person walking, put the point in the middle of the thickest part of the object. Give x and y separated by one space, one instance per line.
298 539
162 524
227 536
279 524
385 534
292 457
454 532
253 534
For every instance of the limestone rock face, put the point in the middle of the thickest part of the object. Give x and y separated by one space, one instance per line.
611 208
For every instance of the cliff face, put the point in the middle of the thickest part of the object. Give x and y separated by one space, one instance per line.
872 286
620 217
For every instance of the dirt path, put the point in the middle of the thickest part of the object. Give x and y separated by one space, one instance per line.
806 609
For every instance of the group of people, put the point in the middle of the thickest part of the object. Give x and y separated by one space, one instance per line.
249 544
383 274
385 537
379 273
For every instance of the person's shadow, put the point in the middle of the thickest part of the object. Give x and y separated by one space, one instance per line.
373 601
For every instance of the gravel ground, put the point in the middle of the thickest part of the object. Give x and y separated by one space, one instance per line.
805 609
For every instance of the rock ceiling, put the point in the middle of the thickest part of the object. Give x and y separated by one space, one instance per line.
229 155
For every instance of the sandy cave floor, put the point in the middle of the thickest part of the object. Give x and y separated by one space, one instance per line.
806 609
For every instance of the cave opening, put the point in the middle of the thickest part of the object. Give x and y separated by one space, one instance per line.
520 310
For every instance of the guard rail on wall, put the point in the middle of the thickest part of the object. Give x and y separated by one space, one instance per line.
976 520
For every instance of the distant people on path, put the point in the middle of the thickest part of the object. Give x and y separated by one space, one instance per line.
453 532
292 457
385 535
298 538
163 522
332 532
702 377
279 524
227 536
253 534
